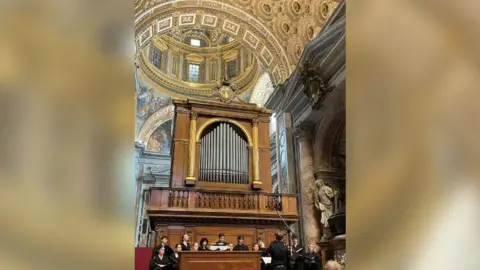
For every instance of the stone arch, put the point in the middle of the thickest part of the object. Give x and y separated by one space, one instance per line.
326 134
230 20
153 122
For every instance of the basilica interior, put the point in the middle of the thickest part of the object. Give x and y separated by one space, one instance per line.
240 121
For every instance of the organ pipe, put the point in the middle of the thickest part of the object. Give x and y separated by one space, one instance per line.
224 156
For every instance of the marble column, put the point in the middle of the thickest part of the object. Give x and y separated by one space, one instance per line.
311 230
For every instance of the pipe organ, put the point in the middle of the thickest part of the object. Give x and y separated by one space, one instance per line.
221 145
220 176
223 155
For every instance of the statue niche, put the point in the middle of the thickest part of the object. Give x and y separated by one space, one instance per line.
326 201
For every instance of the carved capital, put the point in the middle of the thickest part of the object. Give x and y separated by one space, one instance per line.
255 122
182 110
193 115
303 131
315 87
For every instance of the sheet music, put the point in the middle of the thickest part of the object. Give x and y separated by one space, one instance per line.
222 248
267 260
161 265
299 250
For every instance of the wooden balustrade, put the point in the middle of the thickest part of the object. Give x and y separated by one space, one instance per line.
221 201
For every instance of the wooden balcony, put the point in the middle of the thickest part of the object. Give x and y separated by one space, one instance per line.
171 204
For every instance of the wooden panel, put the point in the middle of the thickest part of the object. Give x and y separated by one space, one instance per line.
175 235
180 164
263 134
251 233
234 260
159 198
231 234
265 175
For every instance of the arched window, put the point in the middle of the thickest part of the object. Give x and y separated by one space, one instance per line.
224 154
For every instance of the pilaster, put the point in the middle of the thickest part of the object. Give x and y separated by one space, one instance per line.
311 230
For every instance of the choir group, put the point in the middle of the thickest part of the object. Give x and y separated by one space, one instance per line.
277 256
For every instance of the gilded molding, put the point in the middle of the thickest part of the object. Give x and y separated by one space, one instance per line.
214 120
174 87
237 23
256 155
190 179
194 58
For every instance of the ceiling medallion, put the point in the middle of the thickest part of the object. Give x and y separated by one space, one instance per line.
267 9
314 86
225 91
324 10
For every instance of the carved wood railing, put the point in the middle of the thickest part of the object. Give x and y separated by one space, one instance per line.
221 201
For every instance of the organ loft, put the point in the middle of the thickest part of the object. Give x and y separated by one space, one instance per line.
220 177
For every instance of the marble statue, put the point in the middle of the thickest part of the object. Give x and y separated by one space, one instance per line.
325 197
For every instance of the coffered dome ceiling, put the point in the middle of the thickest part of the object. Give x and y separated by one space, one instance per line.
272 32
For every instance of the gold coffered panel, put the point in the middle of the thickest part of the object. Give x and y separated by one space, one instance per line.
275 31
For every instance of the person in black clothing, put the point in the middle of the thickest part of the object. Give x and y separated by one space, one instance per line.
221 240
312 260
185 245
297 251
175 257
160 261
204 245
241 246
279 253
164 244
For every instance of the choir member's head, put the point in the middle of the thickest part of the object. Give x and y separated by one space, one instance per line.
260 242
195 246
178 247
230 247
240 240
295 240
221 237
332 265
161 251
279 235
204 242
311 248
256 247
185 238
164 240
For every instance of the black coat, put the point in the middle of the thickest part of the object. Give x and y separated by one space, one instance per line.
157 261
297 259
168 250
174 262
279 253
241 247
312 261
186 247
